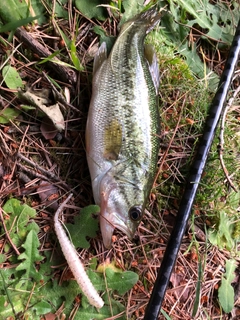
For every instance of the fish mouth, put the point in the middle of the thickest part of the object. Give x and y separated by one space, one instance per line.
107 231
113 213
109 224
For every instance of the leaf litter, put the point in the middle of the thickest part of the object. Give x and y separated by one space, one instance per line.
41 170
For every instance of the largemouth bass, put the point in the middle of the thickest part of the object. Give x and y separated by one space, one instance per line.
122 130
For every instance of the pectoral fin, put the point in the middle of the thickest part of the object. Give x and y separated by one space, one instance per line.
112 140
151 57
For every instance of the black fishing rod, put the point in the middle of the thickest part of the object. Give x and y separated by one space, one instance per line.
170 256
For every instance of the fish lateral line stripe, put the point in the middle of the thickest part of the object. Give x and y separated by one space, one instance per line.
74 263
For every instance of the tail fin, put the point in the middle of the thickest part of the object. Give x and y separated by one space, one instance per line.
149 18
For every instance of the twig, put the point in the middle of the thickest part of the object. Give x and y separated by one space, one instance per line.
74 262
48 173
221 138
30 297
66 74
7 234
4 146
32 172
35 174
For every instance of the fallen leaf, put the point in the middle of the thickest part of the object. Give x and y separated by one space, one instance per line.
49 316
40 101
180 292
47 193
48 129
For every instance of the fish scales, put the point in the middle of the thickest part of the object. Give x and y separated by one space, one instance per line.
122 130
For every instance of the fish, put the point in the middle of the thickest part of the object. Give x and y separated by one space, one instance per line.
123 126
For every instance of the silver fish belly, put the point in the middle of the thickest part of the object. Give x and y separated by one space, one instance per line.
122 130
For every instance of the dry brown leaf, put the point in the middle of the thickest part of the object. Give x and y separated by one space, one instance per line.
48 194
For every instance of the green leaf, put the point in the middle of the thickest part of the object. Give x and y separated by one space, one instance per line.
2 257
75 59
2 303
65 38
117 280
42 307
212 18
175 36
225 291
59 8
230 269
27 108
92 9
6 279
106 312
121 282
131 8
18 220
30 257
198 287
7 296
66 292
16 10
97 278
234 200
12 77
50 57
222 235
200 69
8 114
12 10
216 21
61 293
165 315
13 25
85 225
104 38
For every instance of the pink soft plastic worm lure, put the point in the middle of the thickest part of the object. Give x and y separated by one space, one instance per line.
75 263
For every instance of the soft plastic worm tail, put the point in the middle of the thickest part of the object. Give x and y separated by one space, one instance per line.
74 262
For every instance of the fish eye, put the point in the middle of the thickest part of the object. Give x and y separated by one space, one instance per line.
135 213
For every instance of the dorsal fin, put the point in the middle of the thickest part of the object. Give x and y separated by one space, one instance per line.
100 57
151 57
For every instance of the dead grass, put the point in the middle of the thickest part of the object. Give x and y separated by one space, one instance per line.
58 166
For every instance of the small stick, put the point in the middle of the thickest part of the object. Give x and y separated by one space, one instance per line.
74 262
7 234
221 138
48 173
65 73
